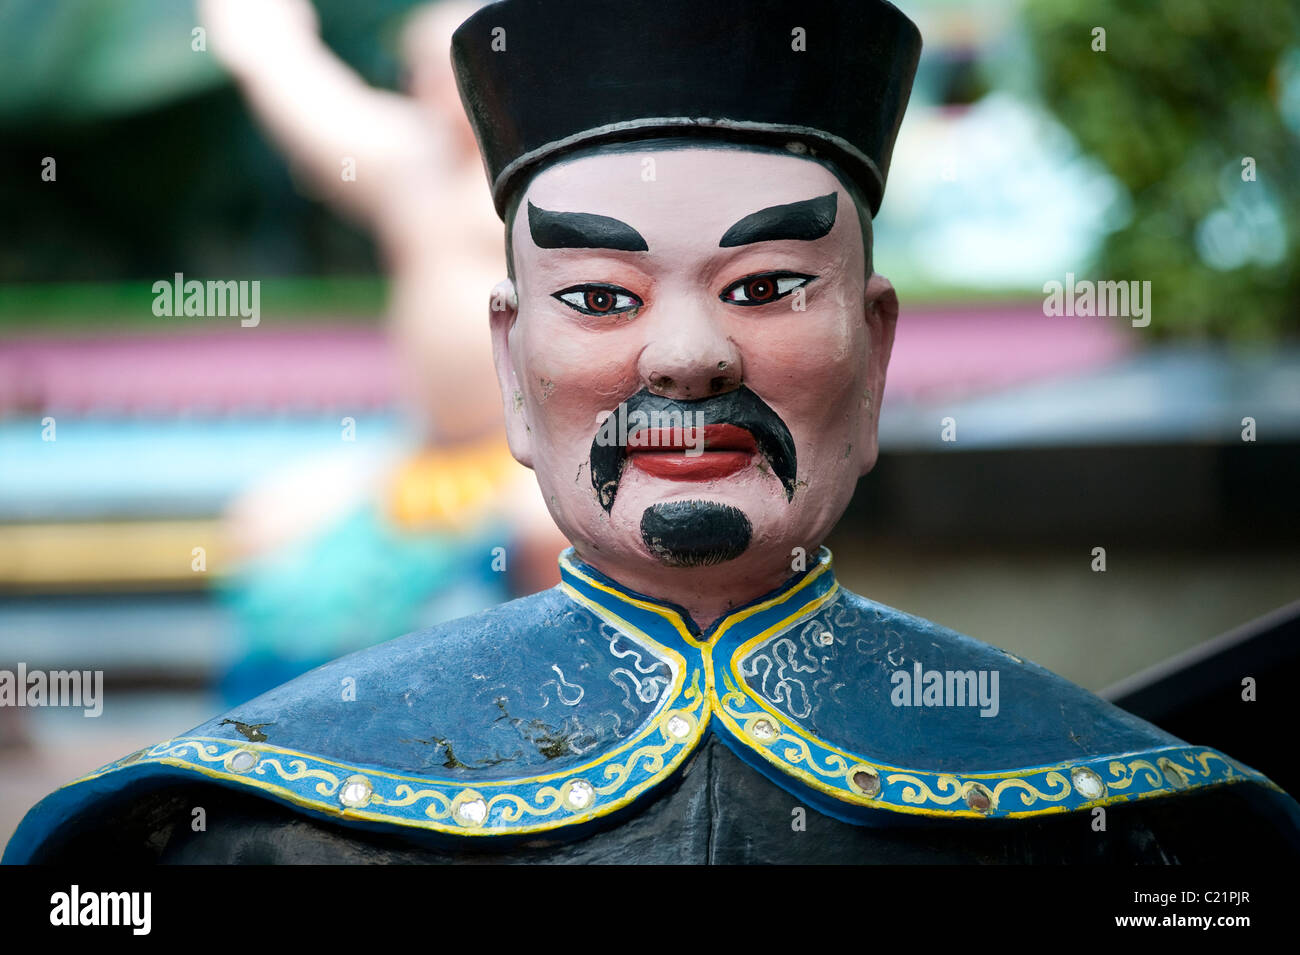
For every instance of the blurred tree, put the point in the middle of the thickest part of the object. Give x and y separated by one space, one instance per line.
1184 92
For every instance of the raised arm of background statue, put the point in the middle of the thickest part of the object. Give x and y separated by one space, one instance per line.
320 113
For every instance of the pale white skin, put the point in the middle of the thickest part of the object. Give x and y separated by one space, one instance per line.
822 369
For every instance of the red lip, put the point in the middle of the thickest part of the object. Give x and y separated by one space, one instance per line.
662 452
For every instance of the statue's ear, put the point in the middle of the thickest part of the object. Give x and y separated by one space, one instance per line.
881 309
503 309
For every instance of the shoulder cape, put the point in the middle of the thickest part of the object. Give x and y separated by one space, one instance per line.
553 713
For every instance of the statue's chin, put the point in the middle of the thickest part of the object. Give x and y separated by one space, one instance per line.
695 533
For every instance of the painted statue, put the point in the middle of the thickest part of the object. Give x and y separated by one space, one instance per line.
692 349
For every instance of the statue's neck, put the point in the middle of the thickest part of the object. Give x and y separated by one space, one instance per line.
706 594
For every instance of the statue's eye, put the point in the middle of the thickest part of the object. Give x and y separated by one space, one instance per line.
765 287
596 299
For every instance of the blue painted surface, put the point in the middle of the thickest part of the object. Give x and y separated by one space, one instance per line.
594 689
162 467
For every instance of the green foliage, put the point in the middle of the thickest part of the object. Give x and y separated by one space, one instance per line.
1184 91
77 306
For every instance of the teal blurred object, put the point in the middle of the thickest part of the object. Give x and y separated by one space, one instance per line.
360 582
83 60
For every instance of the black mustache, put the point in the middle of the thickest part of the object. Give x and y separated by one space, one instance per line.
740 407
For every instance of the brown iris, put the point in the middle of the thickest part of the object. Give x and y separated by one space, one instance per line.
598 300
764 288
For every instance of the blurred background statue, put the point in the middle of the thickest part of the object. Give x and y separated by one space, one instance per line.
339 557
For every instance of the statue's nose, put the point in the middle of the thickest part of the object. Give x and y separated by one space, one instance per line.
689 354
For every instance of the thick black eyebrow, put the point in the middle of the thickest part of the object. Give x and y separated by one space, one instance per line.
806 220
582 230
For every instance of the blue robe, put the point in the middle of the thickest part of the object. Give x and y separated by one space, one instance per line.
557 724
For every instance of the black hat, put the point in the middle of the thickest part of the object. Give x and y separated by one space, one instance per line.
830 77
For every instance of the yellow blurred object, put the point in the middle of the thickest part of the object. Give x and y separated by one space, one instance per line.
135 553
452 488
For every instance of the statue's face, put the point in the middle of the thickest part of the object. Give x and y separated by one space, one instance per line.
714 300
